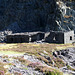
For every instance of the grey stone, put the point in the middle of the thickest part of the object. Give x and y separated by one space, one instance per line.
55 54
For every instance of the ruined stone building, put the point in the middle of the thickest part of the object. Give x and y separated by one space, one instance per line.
24 37
50 37
60 37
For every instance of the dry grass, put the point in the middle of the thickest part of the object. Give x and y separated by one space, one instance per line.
44 68
22 60
48 70
16 73
58 63
35 49
2 69
43 59
7 46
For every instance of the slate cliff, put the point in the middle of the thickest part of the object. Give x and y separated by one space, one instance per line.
66 21
28 15
36 15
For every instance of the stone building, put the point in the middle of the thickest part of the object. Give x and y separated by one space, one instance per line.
24 37
50 37
17 38
59 37
36 36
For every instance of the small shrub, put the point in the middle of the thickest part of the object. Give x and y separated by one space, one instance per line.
2 69
1 72
58 62
54 73
5 56
24 61
34 64
44 68
43 59
70 68
25 68
16 73
21 59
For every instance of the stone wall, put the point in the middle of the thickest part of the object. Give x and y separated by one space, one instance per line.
60 37
24 37
17 38
55 37
69 37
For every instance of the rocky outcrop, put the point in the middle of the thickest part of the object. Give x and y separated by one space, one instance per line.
67 19
68 56
17 66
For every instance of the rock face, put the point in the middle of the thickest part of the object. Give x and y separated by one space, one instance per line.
30 15
67 19
37 15
16 67
68 56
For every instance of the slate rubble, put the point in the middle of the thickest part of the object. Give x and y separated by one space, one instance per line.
19 67
68 56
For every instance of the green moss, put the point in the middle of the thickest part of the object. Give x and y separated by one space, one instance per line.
25 68
10 64
70 68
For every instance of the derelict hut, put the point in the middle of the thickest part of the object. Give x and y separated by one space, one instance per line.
60 37
36 36
55 37
33 36
41 35
24 37
17 38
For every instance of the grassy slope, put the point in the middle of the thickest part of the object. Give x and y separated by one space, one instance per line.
35 49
